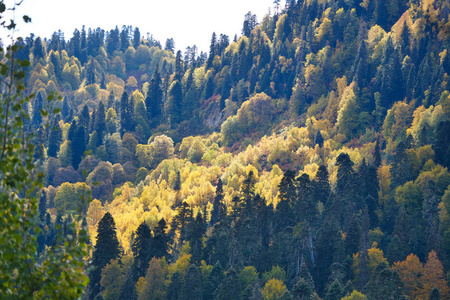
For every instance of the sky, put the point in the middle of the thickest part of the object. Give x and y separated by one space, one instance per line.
188 22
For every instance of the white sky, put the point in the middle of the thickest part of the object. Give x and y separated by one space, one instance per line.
189 22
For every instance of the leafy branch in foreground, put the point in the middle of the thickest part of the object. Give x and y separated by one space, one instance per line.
58 273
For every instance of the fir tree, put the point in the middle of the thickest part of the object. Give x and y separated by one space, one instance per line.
154 100
106 248
141 248
55 138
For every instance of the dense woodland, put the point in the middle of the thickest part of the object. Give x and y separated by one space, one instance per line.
305 158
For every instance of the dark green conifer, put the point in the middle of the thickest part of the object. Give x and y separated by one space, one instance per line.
106 248
141 248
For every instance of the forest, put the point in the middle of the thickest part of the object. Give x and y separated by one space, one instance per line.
306 157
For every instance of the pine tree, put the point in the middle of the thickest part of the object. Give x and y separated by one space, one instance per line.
106 248
141 248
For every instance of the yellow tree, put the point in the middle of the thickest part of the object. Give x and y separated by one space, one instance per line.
433 276
409 271
273 289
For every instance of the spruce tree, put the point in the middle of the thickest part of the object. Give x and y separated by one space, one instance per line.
160 244
55 138
212 51
106 248
154 100
174 103
84 117
219 209
36 117
78 146
141 248
192 286
100 123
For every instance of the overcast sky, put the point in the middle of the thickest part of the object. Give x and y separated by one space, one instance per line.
189 22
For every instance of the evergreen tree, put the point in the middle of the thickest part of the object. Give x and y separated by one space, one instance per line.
55 138
384 283
219 208
175 286
212 52
141 248
78 146
321 185
128 289
229 287
154 100
160 244
136 38
249 24
90 72
192 286
100 123
174 103
318 140
442 144
65 109
435 294
106 248
335 292
84 117
36 117
179 68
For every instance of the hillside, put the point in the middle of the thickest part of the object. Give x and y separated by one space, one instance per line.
307 157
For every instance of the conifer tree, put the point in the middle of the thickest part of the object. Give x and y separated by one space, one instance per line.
195 231
78 146
136 38
154 100
219 209
55 138
160 243
141 248
179 68
106 248
90 72
212 52
100 123
36 117
173 106
84 117
192 286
